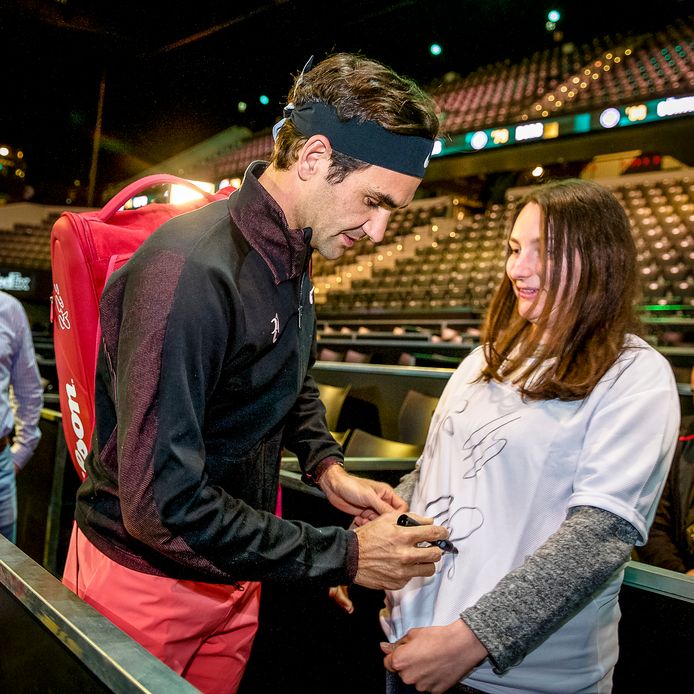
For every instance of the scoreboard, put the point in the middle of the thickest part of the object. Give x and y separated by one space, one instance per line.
575 124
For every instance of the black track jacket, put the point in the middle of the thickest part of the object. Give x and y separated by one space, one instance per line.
208 333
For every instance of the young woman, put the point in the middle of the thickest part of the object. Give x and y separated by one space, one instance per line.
545 459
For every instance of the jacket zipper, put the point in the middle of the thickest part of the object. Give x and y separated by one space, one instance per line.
305 270
301 297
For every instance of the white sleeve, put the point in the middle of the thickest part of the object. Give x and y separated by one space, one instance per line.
630 439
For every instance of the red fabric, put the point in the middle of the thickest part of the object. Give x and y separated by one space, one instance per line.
278 505
86 248
202 631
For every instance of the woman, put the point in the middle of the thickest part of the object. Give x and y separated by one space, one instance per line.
545 459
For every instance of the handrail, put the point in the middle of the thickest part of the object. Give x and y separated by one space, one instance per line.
657 580
122 664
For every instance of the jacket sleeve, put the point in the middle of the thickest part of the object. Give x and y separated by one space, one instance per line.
661 548
668 544
176 321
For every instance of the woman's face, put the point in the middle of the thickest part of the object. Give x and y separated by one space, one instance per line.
524 266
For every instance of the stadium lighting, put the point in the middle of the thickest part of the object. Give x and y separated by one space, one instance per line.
181 194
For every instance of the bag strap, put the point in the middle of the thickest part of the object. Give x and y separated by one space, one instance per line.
142 184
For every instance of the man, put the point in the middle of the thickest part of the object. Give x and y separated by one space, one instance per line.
21 399
208 338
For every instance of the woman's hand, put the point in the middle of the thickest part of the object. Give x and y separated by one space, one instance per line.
434 659
340 594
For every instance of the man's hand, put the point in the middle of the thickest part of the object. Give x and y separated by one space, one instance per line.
434 659
389 555
359 496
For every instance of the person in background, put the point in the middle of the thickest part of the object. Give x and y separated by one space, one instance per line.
545 459
671 539
21 400
209 333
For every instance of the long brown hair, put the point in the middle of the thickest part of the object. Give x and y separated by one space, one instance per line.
581 329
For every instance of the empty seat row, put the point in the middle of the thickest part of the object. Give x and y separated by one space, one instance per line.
414 417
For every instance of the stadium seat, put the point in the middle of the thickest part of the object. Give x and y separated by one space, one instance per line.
414 417
362 444
327 354
333 398
355 357
341 436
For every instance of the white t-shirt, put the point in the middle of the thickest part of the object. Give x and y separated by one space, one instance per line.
501 474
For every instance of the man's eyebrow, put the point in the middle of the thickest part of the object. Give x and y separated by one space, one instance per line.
385 200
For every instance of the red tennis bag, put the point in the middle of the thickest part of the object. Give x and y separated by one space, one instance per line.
86 248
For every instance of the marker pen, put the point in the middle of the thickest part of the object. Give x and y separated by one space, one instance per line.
445 545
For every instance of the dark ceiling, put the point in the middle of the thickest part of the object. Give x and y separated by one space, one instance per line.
174 72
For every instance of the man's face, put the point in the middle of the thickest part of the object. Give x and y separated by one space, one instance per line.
358 207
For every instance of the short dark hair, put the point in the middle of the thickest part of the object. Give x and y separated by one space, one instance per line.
357 87
584 220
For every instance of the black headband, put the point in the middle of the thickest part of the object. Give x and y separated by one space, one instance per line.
364 140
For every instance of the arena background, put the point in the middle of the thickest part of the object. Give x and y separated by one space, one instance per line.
97 95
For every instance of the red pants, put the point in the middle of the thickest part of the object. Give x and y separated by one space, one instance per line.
202 631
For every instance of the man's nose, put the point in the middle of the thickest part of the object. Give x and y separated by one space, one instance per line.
375 227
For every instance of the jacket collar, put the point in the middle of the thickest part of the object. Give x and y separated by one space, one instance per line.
263 224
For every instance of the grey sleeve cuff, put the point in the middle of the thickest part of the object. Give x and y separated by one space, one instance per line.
407 484
527 605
